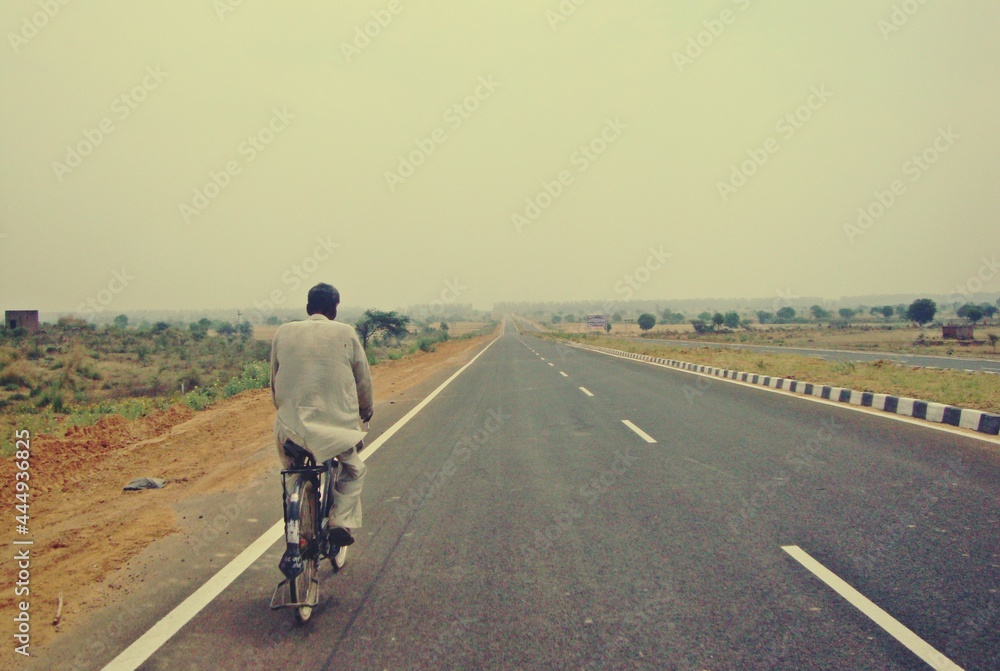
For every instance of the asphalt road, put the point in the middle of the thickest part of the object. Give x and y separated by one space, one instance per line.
518 523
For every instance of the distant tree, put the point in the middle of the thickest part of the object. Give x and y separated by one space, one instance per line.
732 320
570 318
646 321
718 319
160 327
225 329
121 322
786 314
819 312
607 327
993 338
845 313
616 317
705 316
765 317
989 310
670 317
245 329
377 323
887 311
973 313
272 321
921 311
198 331
556 319
443 326
699 325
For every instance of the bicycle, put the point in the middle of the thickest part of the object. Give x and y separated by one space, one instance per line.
306 505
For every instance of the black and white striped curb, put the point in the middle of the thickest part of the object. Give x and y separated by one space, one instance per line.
977 420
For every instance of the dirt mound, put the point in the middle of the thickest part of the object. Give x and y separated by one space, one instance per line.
60 461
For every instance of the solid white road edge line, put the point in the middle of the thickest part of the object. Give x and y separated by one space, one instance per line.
642 434
563 374
917 645
143 647
586 391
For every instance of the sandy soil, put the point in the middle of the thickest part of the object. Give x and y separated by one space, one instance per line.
85 527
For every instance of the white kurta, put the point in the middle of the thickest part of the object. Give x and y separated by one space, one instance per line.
320 384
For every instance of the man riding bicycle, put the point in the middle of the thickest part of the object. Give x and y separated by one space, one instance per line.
321 385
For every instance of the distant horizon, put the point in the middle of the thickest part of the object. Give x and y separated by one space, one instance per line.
689 304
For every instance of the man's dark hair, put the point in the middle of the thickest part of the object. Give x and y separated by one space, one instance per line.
323 299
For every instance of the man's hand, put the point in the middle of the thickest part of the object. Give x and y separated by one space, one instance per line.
366 417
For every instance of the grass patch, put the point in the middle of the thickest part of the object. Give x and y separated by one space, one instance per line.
979 391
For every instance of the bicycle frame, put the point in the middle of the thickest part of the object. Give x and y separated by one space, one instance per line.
323 478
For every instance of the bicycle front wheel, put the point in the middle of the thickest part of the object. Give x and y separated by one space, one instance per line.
304 587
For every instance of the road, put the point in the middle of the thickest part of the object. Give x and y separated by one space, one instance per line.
980 365
518 522
924 361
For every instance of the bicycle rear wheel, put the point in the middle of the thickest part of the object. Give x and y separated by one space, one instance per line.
304 588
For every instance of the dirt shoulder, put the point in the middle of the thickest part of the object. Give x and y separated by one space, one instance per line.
83 525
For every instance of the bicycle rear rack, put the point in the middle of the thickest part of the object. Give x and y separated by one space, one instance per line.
283 600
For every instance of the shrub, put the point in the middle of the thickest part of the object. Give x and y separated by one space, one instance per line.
17 373
426 345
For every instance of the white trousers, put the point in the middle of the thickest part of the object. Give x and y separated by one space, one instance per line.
346 510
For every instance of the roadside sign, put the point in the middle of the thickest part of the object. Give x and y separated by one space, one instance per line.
597 321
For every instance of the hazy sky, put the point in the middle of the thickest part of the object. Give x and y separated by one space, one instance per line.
396 166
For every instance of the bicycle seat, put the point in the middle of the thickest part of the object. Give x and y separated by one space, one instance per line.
299 454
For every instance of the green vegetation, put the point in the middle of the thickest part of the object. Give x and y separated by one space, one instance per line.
921 311
646 321
381 326
73 373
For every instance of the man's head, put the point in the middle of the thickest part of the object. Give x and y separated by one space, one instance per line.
323 299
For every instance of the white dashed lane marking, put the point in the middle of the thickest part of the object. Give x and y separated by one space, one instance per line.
642 434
